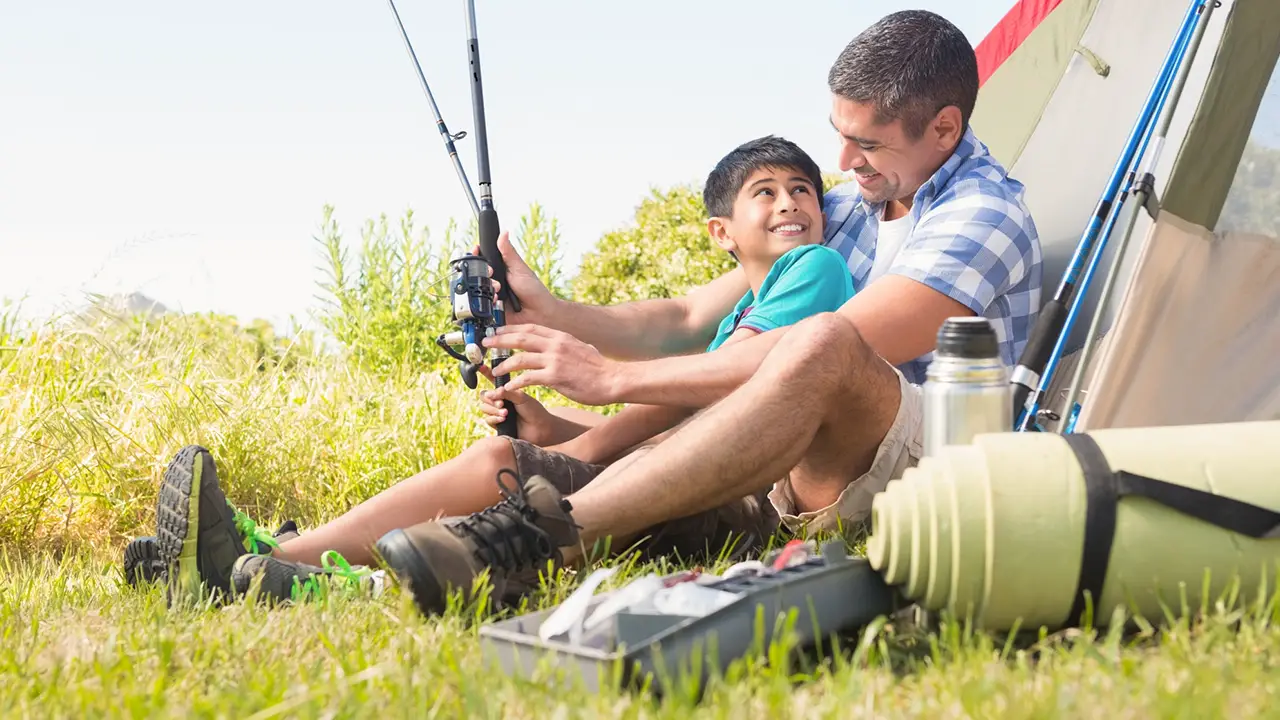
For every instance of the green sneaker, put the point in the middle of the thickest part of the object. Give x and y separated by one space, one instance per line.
199 533
142 563
283 580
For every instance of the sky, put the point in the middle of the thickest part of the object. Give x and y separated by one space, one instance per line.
186 150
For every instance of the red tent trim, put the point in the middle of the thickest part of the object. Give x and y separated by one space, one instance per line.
1009 33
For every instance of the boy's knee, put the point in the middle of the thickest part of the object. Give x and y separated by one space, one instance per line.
495 450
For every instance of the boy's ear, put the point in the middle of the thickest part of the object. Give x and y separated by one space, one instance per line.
719 230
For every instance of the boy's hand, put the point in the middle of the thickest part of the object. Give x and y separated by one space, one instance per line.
556 360
534 423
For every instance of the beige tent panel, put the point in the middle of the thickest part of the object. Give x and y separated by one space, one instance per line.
1198 338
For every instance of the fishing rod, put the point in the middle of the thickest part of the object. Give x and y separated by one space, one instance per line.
1034 371
477 310
1143 186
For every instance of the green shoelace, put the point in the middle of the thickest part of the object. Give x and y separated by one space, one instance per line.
256 539
335 567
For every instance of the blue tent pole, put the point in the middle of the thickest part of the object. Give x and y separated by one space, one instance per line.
1047 337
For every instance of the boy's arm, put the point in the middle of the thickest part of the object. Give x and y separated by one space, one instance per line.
637 330
633 425
816 282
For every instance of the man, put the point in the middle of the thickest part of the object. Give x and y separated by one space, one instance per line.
820 415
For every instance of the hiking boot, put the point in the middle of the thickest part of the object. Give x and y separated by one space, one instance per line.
199 534
283 580
514 538
142 563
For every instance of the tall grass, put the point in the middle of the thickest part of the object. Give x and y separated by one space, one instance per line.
93 405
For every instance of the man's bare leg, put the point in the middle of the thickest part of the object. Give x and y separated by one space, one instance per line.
459 486
821 403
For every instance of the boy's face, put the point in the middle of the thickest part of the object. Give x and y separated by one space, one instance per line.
775 211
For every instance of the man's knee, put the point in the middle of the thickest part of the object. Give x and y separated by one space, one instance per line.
824 347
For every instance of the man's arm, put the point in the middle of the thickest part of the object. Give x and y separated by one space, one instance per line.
897 317
629 331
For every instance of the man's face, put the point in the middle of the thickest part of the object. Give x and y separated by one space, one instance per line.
775 211
887 164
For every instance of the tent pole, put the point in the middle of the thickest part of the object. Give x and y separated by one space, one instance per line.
1143 188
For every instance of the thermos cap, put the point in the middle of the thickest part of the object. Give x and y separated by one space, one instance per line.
967 337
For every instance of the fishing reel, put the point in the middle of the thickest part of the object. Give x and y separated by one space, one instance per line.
476 312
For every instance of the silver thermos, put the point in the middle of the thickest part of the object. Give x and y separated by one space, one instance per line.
966 389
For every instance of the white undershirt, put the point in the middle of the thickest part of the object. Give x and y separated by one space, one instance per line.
892 234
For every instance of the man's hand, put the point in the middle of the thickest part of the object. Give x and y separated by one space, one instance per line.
557 360
537 304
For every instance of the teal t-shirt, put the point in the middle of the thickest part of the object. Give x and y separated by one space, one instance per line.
805 281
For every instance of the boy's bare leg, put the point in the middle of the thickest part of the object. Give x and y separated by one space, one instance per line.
821 403
459 486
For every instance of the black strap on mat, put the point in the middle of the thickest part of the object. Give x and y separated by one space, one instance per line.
1103 489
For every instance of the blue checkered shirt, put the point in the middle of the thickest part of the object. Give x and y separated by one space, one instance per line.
972 239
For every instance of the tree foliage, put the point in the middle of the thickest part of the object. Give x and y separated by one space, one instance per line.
1253 203
665 253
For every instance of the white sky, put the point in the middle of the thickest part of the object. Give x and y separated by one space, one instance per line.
186 150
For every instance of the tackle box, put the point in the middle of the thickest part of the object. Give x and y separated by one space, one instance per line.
832 593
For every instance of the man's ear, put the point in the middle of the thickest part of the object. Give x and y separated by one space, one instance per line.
719 230
948 126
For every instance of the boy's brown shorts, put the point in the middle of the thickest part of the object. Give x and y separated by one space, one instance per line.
731 531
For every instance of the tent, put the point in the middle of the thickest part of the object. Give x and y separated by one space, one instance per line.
1192 331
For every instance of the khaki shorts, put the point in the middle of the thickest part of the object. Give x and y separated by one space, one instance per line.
734 530
901 448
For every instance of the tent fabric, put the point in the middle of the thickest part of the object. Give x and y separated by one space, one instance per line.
1193 329
1009 33
1205 168
1071 152
1197 339
1013 96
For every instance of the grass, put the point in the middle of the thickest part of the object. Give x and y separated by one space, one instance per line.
77 644
92 407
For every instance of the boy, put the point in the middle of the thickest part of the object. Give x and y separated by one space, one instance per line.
765 203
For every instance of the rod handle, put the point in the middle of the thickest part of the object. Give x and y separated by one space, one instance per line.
489 231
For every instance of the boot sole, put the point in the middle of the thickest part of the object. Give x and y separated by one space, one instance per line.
179 501
409 564
191 477
142 563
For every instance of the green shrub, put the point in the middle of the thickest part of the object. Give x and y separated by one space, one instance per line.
666 252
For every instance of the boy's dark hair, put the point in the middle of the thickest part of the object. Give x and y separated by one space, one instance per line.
732 171
909 65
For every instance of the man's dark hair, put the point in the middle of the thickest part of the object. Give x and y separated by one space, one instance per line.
908 66
728 176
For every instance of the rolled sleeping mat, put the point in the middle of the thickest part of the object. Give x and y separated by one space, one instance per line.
1016 527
